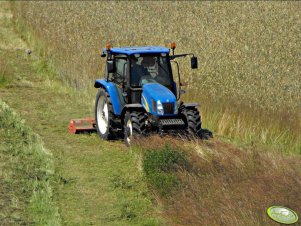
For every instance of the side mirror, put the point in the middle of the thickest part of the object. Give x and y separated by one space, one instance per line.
194 62
110 66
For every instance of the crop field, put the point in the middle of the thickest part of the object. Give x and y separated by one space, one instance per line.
249 54
249 51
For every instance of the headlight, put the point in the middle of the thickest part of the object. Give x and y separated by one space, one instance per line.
160 109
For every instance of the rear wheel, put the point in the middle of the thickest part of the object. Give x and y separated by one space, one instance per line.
103 114
134 126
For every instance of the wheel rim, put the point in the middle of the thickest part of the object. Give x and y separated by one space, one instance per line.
129 130
102 115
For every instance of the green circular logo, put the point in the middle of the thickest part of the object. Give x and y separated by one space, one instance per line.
282 214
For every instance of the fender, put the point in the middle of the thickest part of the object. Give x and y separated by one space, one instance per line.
174 88
132 106
191 105
188 105
112 91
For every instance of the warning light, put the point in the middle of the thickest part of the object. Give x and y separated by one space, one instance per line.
108 46
172 45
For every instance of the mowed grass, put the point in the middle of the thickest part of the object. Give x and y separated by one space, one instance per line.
248 82
26 166
95 182
27 171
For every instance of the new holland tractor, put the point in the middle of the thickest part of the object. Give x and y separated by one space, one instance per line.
138 94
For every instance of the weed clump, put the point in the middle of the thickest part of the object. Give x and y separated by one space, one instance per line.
160 167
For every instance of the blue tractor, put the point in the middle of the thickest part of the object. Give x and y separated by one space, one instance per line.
138 94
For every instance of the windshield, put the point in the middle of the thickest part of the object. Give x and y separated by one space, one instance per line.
150 69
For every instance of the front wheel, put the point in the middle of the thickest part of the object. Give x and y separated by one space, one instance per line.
103 114
134 126
192 119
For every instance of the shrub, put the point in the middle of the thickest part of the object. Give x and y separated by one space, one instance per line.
160 167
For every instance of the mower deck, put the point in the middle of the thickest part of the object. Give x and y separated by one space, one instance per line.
82 125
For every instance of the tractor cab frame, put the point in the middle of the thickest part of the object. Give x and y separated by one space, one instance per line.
131 72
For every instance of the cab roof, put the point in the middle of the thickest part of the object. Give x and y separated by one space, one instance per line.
138 50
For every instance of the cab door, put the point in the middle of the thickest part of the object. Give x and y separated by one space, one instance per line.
119 77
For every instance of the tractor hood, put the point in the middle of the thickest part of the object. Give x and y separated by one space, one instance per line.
158 100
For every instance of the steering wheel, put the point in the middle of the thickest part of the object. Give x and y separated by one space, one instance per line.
146 79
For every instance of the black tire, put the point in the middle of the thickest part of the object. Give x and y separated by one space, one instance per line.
100 115
138 128
192 118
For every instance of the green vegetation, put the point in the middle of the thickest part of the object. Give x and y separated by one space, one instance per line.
27 172
159 167
27 168
2 80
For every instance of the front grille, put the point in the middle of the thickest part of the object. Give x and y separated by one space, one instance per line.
168 108
172 122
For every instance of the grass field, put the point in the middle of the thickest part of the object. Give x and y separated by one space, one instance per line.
247 50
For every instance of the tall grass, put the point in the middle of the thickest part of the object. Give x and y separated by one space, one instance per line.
244 125
248 81
214 183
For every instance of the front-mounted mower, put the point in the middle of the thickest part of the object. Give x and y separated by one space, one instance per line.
138 94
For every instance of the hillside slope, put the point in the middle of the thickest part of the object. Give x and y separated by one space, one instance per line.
104 183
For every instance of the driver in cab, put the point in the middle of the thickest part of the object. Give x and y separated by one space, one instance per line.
142 67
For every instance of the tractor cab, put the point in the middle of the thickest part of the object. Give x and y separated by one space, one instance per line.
139 94
133 67
147 68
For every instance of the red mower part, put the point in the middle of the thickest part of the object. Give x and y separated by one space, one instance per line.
82 125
